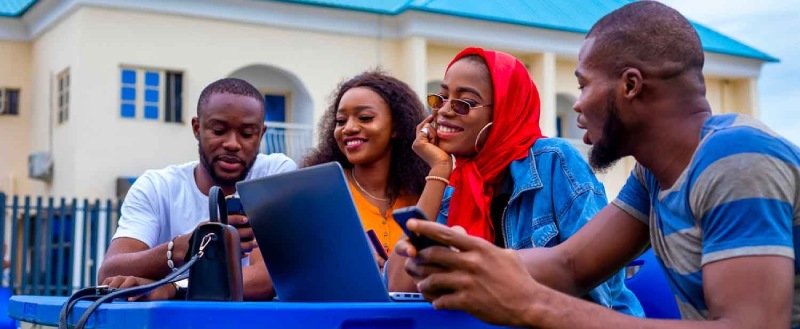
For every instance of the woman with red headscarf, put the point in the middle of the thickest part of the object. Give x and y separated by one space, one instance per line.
508 184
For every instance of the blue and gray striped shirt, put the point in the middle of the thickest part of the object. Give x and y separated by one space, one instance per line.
739 196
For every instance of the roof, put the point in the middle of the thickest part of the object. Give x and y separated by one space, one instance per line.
546 14
15 8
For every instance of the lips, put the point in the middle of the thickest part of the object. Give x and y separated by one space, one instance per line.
229 163
586 139
353 143
445 129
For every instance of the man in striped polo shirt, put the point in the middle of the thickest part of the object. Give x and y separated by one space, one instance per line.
716 196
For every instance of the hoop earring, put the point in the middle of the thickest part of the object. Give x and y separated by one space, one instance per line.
479 136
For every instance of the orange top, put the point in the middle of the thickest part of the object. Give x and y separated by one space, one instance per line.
388 231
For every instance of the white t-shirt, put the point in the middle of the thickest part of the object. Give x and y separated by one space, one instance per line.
167 202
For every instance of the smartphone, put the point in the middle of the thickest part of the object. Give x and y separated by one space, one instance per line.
406 297
402 215
235 207
377 245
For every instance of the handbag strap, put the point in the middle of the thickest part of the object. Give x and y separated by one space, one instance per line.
217 208
103 294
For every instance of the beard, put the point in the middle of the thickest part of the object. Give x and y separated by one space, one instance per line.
606 152
206 162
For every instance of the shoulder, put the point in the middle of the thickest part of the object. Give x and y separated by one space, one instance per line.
555 148
271 164
173 174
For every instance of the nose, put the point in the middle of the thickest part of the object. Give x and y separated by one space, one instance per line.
232 142
350 127
446 109
576 106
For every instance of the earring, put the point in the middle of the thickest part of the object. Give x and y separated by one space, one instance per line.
479 135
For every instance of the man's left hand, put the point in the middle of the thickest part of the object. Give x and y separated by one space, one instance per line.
480 278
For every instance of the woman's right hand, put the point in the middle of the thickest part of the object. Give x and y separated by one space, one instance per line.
426 149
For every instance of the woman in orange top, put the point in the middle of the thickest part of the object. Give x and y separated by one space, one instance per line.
369 129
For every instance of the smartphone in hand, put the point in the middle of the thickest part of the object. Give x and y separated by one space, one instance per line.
235 207
402 215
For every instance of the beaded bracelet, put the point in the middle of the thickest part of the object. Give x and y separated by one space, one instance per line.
441 179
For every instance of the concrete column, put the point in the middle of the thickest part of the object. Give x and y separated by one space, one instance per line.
414 63
542 68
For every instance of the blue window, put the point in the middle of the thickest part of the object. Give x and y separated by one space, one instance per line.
127 108
151 87
141 90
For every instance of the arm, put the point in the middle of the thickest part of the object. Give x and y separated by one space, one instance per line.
597 251
133 251
491 284
429 201
257 282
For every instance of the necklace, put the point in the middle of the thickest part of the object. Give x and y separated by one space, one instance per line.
353 175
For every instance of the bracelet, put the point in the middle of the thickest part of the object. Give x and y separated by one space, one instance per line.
441 179
171 245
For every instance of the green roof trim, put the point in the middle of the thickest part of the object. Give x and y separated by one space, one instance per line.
15 8
546 14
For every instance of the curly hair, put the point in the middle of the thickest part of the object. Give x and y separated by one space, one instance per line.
407 170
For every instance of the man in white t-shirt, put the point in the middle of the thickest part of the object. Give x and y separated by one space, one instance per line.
166 205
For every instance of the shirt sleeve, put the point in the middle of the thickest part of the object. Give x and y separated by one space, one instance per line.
139 215
742 196
634 198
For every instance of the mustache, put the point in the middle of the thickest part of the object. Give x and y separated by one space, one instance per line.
228 158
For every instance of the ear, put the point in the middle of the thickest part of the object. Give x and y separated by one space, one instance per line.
632 83
263 130
196 128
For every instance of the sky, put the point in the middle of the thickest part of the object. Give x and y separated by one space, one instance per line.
770 26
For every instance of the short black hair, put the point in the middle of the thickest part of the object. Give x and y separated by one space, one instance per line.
229 86
646 34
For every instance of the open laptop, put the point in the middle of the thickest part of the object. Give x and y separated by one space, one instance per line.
309 232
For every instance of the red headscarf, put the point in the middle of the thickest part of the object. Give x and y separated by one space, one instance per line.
514 129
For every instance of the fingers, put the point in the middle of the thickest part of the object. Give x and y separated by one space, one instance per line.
419 271
405 248
452 301
381 262
443 282
248 246
449 236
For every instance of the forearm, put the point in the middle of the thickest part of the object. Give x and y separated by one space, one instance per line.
559 311
551 267
130 257
399 280
150 264
431 199
257 283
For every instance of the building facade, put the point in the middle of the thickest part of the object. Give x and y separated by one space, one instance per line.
105 89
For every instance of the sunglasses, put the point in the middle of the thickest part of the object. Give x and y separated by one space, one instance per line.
460 106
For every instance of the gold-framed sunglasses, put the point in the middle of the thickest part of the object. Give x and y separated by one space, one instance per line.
459 106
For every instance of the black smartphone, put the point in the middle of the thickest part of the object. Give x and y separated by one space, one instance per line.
402 215
235 207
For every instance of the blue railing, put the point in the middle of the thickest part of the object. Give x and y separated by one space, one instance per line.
55 246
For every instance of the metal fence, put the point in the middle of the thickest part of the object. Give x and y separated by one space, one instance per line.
54 246
292 139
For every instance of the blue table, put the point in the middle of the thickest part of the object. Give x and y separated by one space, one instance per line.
44 310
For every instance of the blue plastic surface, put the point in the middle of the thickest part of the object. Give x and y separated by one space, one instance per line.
6 322
651 287
172 314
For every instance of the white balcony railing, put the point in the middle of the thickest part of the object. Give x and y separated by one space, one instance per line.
292 139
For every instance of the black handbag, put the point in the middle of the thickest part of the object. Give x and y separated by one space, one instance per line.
213 266
218 275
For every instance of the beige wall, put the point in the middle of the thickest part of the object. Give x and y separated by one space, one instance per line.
205 50
15 72
53 52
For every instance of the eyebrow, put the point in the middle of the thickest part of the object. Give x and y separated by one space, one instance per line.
357 108
464 90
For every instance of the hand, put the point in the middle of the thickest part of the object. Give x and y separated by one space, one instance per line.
479 278
426 149
164 292
381 262
414 268
248 242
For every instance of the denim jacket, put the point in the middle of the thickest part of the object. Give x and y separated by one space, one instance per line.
546 209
